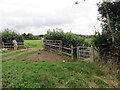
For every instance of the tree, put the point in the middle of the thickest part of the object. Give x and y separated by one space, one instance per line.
28 36
108 42
110 17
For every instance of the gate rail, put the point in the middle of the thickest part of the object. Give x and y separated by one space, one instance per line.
84 52
56 47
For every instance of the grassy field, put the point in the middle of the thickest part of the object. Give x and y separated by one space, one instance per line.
33 43
28 74
17 73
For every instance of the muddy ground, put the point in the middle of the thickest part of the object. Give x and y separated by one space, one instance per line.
44 56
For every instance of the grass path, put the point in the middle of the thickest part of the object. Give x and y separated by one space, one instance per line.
4 52
27 74
12 53
16 53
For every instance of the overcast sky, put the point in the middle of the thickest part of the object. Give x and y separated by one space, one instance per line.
37 16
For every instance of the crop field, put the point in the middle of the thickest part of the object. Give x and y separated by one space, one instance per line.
20 73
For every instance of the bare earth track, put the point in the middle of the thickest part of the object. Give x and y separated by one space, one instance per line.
43 56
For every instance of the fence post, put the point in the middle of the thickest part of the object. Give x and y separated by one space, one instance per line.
91 55
2 44
60 47
44 44
77 52
72 52
50 45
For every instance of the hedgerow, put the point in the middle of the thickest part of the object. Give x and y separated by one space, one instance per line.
68 38
7 36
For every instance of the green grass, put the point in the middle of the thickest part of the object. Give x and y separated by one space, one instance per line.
17 73
24 54
9 54
33 43
28 74
4 51
89 41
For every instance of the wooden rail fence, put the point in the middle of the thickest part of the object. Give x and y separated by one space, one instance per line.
56 47
10 45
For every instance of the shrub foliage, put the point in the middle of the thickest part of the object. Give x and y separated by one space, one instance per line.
68 38
104 42
8 35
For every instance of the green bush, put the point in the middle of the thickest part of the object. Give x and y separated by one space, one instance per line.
108 42
105 46
68 38
89 41
8 35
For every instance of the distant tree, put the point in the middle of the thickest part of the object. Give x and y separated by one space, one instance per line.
24 35
28 36
36 37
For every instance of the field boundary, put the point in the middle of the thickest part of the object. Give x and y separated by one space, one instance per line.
11 45
82 52
56 47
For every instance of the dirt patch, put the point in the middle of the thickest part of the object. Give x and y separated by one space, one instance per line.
43 56
33 49
11 51
92 85
14 56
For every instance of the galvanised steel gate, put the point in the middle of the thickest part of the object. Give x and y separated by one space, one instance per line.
85 52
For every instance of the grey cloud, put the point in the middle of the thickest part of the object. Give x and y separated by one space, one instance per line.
36 20
31 17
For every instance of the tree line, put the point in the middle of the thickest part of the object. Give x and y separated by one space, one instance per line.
8 35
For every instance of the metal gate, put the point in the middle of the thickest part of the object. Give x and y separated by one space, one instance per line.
85 52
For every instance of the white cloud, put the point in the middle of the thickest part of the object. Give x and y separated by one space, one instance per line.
37 16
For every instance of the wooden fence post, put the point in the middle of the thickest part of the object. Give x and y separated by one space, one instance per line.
92 55
2 44
44 44
61 47
77 52
72 52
